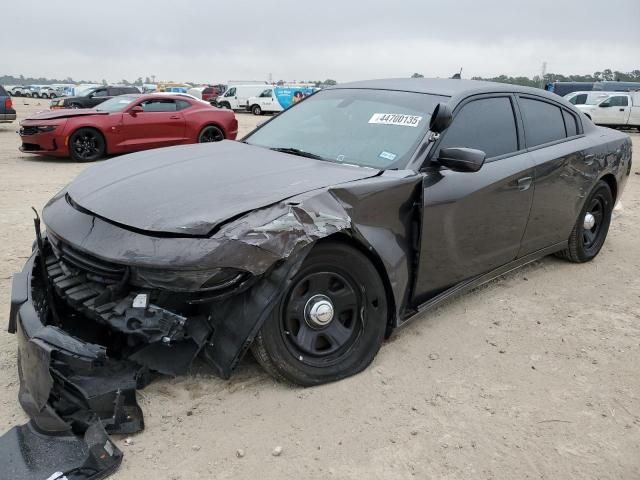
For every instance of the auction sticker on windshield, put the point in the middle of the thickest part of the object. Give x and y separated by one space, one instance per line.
395 119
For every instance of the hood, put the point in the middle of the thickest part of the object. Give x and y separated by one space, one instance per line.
192 189
65 113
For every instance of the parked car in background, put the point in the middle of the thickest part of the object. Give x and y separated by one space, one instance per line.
618 109
207 94
277 99
7 113
126 123
586 98
17 91
44 91
91 97
236 96
563 88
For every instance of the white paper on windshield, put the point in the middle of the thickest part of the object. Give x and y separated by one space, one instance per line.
395 119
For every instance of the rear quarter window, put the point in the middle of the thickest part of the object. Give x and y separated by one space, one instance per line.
570 122
544 122
3 92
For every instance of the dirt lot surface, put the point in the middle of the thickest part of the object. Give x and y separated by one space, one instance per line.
536 375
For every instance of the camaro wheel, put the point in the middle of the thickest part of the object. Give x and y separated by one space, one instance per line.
256 110
331 321
86 145
590 231
210 134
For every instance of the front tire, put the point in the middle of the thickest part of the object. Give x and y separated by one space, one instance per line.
331 321
87 145
591 228
256 110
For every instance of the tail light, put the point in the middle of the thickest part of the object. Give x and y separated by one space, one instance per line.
8 103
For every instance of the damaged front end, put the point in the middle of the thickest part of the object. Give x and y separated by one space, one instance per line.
115 306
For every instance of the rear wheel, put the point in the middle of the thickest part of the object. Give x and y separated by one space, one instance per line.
256 110
53 95
591 228
331 321
35 95
210 133
86 145
44 95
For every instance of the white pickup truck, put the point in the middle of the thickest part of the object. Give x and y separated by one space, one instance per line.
617 109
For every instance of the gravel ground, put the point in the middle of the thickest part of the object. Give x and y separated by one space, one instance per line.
532 376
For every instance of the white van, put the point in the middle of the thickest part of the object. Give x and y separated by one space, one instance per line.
277 99
236 96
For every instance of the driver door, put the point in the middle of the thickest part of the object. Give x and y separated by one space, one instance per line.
160 124
473 223
613 111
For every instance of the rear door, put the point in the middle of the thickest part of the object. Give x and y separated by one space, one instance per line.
473 222
613 111
564 167
160 125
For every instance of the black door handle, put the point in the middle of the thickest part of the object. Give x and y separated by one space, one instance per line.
622 109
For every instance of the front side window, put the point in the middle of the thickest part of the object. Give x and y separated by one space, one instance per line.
487 124
365 127
543 122
231 92
266 93
100 93
159 105
617 101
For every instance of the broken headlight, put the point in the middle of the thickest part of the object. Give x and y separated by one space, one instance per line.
190 280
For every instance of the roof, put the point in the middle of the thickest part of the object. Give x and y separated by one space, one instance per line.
443 86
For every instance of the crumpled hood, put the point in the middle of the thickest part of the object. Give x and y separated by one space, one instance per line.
63 113
191 189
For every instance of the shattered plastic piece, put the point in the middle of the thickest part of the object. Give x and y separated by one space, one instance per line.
28 454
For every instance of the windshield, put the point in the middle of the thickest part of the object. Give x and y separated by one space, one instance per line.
115 104
370 128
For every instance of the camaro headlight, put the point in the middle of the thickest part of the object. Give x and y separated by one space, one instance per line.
46 128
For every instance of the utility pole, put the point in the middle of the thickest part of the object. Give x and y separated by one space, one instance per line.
544 72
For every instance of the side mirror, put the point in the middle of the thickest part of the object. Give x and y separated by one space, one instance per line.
462 159
604 105
440 118
136 110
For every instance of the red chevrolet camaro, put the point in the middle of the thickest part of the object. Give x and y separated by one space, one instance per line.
123 124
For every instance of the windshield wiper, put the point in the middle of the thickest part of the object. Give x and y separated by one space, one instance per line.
297 151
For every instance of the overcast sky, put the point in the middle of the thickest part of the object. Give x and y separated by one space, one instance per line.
215 41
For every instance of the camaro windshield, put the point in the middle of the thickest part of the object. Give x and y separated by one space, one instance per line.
370 128
115 104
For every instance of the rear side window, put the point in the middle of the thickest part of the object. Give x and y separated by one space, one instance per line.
3 92
543 122
570 123
182 104
487 124
580 99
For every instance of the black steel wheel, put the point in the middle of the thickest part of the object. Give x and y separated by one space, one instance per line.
591 228
331 321
86 145
210 133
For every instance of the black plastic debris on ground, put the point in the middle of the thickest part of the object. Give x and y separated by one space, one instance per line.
27 454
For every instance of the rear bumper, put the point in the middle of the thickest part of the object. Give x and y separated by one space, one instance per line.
8 117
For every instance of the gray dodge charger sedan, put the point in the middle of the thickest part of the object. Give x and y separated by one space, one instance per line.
308 242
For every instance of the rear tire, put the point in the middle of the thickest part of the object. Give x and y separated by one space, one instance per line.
585 243
210 133
302 345
87 145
